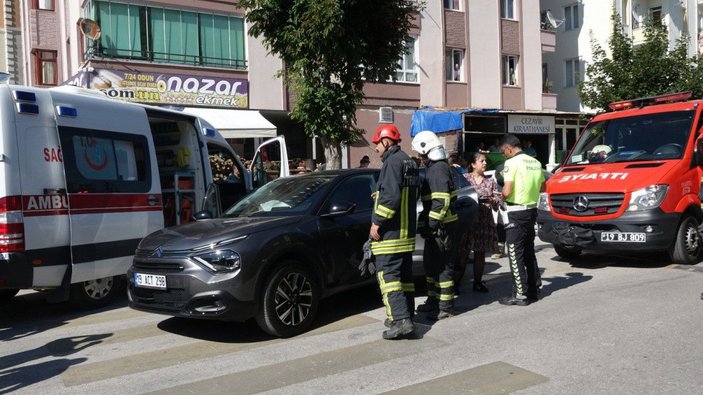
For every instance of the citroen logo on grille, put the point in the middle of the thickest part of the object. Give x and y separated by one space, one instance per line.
158 252
581 203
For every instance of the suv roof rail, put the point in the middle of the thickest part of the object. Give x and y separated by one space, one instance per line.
645 101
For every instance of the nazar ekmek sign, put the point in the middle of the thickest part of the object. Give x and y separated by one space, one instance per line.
530 124
174 89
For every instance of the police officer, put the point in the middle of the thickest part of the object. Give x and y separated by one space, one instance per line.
393 231
523 180
438 226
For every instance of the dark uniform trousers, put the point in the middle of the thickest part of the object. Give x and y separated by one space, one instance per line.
520 240
439 267
395 278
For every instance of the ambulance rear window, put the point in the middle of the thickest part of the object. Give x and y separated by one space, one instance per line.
102 162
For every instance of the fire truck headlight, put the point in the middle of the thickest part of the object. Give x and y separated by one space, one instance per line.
543 203
647 198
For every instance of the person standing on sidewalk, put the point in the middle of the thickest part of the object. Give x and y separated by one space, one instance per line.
523 181
392 232
483 234
438 224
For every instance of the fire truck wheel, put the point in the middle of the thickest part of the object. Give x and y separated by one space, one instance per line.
686 249
97 293
567 252
7 294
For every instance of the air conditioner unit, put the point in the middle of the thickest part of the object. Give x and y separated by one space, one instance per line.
385 115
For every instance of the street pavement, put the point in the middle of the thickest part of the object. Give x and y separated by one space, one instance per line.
606 324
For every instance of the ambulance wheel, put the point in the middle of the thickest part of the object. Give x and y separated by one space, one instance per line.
7 294
567 252
97 293
291 296
686 249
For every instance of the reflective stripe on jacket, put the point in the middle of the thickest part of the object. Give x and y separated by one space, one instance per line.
395 205
438 195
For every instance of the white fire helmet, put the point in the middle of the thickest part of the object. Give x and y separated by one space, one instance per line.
427 144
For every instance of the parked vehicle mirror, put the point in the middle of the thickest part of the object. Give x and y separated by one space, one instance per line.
201 215
698 153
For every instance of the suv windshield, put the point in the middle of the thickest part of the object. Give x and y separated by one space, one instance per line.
641 138
284 196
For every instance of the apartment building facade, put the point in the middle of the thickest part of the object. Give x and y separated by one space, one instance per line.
483 58
576 22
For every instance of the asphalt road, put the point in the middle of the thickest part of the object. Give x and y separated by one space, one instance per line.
605 325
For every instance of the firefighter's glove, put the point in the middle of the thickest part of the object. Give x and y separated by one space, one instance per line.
426 232
442 239
368 261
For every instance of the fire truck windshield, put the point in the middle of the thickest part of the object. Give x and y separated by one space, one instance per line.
649 137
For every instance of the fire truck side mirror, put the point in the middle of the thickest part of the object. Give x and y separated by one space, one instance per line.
698 153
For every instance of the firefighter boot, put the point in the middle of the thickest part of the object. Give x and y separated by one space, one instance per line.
399 329
431 304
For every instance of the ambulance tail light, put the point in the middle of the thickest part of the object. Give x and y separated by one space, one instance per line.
11 224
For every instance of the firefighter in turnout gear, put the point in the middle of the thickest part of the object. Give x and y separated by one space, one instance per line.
438 225
392 232
523 181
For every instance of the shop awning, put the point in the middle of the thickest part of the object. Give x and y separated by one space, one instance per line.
235 124
440 120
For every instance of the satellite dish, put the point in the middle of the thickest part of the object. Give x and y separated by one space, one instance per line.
553 21
89 28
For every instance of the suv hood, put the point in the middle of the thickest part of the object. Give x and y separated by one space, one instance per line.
206 232
611 177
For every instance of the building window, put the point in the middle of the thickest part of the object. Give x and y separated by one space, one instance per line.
47 67
454 61
407 66
656 14
47 5
507 9
170 36
572 72
510 64
452 5
571 17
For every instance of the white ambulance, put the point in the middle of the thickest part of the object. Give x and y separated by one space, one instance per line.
83 178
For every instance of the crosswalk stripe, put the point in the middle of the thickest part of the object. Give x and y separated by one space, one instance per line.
141 362
300 370
493 378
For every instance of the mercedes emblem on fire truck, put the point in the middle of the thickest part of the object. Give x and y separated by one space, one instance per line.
581 203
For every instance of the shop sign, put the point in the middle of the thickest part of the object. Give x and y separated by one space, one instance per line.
167 89
530 124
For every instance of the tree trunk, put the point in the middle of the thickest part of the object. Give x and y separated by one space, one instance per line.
333 154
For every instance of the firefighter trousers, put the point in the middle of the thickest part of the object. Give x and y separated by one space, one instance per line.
439 269
395 279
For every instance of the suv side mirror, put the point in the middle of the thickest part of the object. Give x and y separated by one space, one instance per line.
201 215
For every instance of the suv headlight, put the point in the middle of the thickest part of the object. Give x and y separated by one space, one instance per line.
647 198
219 261
543 202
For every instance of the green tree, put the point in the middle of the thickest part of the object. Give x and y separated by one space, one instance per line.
648 69
329 49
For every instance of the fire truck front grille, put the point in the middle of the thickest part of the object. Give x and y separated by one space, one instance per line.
587 204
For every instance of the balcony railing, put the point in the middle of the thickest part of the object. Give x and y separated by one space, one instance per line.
162 57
